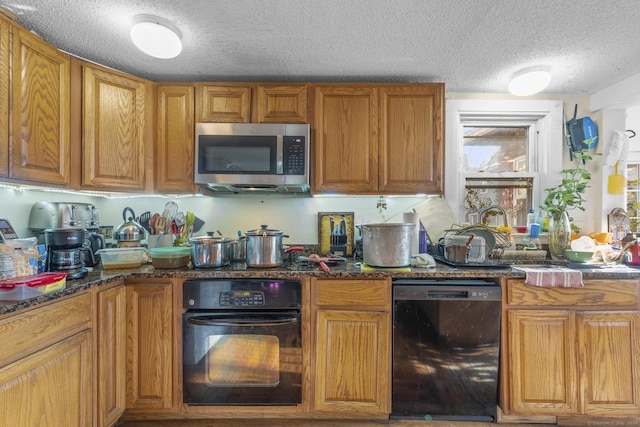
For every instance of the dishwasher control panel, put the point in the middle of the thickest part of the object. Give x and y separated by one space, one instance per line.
446 289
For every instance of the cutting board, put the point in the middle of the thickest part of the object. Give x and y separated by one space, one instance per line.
436 217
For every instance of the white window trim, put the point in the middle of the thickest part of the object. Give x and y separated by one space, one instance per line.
548 117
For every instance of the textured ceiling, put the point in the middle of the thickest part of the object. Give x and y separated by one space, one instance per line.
471 45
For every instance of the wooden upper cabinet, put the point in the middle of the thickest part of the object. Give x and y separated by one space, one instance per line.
40 108
279 103
345 135
223 104
411 139
175 142
4 96
379 138
113 130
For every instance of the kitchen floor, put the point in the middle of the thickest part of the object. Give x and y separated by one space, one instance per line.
312 423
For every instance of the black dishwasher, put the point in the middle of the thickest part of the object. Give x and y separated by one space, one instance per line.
446 347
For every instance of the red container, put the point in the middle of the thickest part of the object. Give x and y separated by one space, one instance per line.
634 254
20 288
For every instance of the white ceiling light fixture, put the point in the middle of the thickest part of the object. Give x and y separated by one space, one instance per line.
156 36
529 81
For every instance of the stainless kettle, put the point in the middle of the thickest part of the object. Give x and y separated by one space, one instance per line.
129 233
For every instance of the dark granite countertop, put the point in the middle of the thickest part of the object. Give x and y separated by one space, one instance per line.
100 277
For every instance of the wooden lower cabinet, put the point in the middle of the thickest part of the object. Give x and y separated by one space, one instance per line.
46 365
150 345
109 332
577 355
352 336
49 387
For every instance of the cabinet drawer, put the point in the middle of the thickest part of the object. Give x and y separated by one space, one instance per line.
349 293
595 292
28 332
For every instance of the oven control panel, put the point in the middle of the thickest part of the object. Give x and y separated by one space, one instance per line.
241 298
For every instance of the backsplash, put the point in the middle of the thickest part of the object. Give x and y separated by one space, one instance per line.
296 216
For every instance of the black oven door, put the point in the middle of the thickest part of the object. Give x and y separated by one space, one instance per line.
242 358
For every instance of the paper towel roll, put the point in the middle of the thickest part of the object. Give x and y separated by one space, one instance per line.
413 218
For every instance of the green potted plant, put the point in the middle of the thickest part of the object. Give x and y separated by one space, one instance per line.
566 196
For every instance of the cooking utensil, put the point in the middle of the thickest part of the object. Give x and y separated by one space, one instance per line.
160 226
185 230
387 244
129 233
320 262
170 210
210 251
145 220
152 223
264 247
616 182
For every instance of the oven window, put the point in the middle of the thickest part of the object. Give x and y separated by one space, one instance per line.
243 360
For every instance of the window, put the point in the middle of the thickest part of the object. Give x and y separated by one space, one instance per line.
633 196
491 150
501 152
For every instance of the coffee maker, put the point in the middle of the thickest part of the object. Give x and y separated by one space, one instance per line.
66 251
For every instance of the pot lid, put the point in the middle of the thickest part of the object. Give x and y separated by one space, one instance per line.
264 231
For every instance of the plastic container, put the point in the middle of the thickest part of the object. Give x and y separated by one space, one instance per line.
170 257
21 288
118 258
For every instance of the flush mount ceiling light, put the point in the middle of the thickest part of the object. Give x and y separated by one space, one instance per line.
156 36
529 81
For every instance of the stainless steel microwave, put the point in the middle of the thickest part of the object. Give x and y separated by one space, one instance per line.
252 157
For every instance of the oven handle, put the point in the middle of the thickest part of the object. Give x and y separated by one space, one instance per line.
213 321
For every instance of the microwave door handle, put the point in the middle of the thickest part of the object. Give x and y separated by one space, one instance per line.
280 155
212 321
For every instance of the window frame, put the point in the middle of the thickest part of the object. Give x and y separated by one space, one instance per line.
546 119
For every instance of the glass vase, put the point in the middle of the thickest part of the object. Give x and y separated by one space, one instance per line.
559 235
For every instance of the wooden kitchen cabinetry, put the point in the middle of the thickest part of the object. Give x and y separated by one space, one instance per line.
379 138
4 96
113 116
150 345
110 344
352 338
251 103
45 372
573 351
40 108
175 142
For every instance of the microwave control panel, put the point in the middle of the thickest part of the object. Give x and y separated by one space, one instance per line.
294 155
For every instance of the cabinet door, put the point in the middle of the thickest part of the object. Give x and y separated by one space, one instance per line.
175 142
282 104
4 97
609 360
223 104
40 111
411 139
353 362
150 345
113 124
110 328
50 387
542 356
346 139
